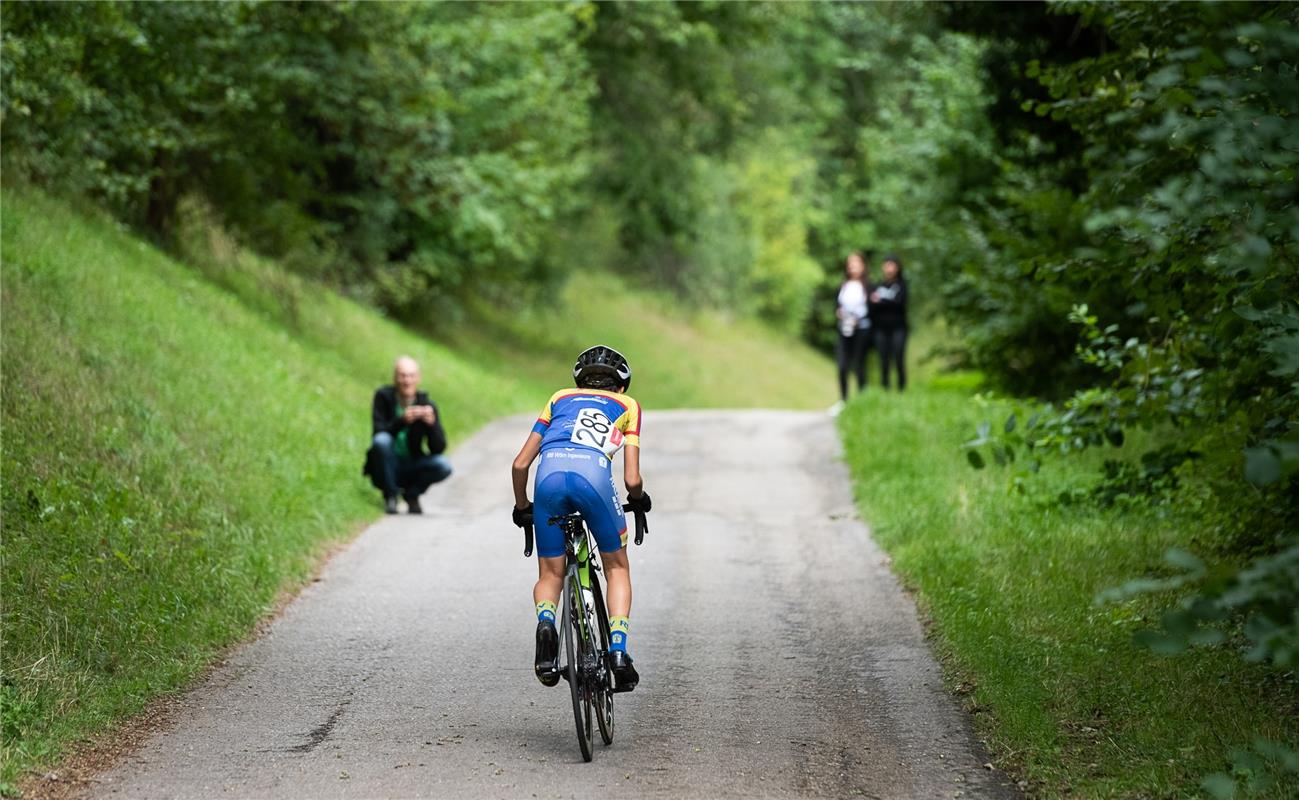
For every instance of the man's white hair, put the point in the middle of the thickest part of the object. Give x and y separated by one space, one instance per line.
396 365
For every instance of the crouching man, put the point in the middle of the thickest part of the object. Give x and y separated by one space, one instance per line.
406 452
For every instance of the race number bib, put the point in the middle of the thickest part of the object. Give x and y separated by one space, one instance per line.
593 429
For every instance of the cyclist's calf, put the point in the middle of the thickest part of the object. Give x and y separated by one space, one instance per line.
617 574
550 579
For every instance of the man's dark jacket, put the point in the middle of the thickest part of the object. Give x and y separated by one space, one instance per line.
384 417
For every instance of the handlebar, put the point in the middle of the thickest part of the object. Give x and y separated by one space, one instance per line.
642 527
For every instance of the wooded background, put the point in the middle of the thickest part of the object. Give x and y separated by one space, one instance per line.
1096 201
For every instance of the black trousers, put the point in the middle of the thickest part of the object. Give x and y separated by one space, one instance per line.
892 344
390 472
850 353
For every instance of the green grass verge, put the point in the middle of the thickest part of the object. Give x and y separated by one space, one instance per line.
1060 692
181 445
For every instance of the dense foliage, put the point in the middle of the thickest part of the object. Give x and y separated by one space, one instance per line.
1098 198
417 153
1179 272
1146 278
1137 160
400 148
752 146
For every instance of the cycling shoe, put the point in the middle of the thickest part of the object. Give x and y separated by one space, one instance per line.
547 663
625 676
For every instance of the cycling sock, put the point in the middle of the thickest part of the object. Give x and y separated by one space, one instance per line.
546 612
618 629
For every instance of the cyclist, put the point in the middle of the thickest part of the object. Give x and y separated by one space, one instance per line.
576 435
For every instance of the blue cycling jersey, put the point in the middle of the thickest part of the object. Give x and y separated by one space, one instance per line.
591 418
581 429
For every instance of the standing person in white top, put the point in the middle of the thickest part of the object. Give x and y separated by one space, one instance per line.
854 324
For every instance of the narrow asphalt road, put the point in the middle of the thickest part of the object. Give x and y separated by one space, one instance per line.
778 656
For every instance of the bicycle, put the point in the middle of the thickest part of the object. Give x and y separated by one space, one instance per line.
584 629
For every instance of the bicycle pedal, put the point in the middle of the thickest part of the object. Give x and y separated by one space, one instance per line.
547 679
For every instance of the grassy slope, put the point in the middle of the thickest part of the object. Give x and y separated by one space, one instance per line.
686 366
1067 700
179 448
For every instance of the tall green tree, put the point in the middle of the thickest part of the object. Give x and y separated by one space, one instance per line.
1180 276
414 148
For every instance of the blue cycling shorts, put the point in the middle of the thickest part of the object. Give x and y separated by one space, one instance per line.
577 479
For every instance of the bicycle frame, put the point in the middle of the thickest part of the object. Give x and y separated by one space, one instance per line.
577 575
590 681
584 628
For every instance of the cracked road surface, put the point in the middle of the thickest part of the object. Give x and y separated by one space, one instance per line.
778 655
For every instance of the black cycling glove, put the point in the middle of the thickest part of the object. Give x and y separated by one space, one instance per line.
641 504
522 516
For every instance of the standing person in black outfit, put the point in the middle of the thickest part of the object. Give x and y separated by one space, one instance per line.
888 308
408 440
854 323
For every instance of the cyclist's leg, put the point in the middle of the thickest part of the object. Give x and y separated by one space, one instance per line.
604 516
617 574
597 499
550 580
617 578
550 495
545 596
550 498
592 490
600 506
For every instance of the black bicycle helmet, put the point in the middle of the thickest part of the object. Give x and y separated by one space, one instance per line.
602 367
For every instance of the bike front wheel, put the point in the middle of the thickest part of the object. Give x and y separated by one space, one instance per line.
604 689
574 617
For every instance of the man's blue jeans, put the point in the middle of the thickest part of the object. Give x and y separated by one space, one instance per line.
392 473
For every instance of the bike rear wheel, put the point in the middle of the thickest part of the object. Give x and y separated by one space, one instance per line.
572 633
604 691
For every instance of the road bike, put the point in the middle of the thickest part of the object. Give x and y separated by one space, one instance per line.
584 629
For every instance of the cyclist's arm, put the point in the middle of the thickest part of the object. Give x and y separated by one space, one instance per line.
522 463
631 470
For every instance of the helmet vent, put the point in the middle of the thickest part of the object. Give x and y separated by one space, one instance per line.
602 367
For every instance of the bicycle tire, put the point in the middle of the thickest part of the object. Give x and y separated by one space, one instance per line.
576 680
603 692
